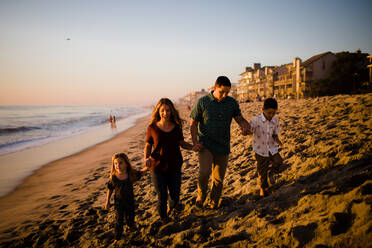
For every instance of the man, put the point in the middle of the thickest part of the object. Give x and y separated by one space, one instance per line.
210 131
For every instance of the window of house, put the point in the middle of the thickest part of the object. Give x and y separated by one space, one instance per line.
324 65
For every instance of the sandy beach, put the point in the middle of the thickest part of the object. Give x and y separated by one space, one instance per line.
322 199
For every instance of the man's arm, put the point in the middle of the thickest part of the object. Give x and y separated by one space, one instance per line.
186 145
194 135
243 124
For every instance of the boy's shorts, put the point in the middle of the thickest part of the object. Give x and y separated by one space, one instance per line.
263 162
263 167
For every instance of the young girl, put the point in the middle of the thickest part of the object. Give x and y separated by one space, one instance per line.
163 155
121 182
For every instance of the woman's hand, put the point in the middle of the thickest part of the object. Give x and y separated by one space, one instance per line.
107 206
148 162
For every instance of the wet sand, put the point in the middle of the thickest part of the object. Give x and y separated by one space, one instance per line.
322 199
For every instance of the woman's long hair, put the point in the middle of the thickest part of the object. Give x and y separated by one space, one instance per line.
175 117
125 158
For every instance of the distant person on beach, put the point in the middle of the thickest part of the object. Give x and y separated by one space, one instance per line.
113 122
211 118
265 128
110 118
163 155
121 181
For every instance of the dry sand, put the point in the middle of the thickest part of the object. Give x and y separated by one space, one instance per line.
323 198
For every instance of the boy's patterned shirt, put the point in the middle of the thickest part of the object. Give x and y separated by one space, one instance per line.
263 131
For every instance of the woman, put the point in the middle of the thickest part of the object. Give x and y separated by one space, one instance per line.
163 155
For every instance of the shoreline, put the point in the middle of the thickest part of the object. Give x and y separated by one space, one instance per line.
39 156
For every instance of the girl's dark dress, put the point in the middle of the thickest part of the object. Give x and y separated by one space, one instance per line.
124 201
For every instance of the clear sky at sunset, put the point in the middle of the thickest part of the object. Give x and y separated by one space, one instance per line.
134 52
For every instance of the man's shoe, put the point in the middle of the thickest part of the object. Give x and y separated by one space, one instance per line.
199 204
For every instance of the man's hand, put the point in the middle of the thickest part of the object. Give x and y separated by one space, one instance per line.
245 131
243 124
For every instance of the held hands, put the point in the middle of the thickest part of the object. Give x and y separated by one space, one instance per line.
148 162
198 147
246 129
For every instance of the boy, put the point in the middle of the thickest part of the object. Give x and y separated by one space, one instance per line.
265 129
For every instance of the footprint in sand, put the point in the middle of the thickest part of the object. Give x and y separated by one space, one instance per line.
245 172
88 180
101 168
136 158
56 197
63 207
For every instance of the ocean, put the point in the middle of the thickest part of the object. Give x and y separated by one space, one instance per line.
28 131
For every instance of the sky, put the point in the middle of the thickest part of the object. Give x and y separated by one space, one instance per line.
80 52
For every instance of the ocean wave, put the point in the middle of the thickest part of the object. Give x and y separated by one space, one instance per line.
34 126
23 143
9 130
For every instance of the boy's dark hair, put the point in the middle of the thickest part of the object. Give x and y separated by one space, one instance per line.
270 103
222 81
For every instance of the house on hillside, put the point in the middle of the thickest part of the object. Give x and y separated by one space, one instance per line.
255 81
191 98
285 81
315 68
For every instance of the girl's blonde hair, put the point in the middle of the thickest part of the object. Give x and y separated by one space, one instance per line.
125 158
175 117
